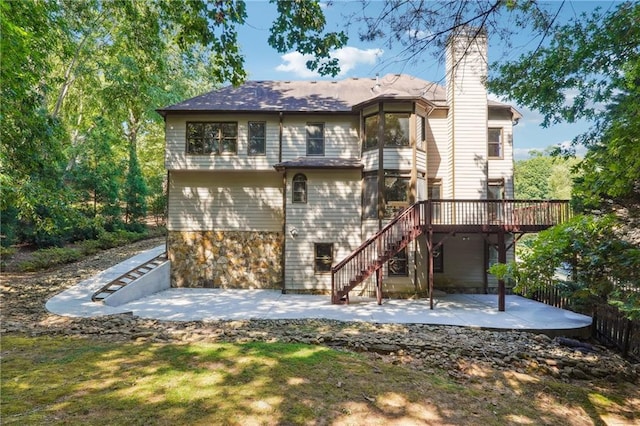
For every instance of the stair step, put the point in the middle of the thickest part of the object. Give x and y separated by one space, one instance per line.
128 278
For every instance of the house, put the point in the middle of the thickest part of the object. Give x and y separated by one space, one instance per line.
388 185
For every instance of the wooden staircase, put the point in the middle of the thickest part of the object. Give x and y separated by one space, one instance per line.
125 279
442 216
370 257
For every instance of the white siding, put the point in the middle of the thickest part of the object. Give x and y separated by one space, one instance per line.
176 157
370 160
438 150
467 99
341 138
247 201
398 158
331 215
421 161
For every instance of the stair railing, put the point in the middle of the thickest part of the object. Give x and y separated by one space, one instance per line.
375 252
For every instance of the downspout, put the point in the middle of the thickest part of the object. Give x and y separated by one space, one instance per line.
280 139
381 142
284 208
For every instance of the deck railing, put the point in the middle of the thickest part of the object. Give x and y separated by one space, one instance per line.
415 219
497 212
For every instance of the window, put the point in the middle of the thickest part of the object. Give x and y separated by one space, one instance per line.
396 129
257 138
495 191
495 143
435 193
493 255
398 265
371 132
299 188
315 138
370 197
396 194
438 259
212 138
435 189
323 257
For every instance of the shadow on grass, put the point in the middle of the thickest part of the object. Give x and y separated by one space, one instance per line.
66 380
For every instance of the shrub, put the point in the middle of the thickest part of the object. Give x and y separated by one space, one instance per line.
46 258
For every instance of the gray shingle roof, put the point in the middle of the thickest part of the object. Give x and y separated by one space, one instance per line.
312 96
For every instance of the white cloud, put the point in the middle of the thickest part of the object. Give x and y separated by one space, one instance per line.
418 34
348 57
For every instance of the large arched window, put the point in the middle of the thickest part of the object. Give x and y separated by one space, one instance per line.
299 188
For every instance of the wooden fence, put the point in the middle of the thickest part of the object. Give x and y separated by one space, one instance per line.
610 326
613 328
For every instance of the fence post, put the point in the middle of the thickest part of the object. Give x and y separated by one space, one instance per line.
626 337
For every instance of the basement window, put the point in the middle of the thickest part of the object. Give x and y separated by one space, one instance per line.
323 257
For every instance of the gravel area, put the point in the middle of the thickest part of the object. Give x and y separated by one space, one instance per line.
457 350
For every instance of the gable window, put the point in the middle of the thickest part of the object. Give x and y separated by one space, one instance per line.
398 265
257 137
323 253
371 132
438 259
396 129
315 138
208 138
299 188
494 148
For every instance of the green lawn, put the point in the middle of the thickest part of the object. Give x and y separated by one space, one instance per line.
80 381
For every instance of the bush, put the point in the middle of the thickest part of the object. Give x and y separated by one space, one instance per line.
46 258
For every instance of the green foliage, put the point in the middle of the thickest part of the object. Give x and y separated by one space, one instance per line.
135 190
544 177
596 59
601 263
46 258
300 26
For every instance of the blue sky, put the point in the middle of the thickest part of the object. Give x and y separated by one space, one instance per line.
366 59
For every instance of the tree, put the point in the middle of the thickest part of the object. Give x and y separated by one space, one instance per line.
602 263
544 176
589 70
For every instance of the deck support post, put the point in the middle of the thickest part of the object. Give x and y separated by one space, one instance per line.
379 285
430 271
502 258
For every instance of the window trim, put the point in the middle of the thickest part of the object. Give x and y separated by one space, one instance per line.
303 180
219 139
322 125
316 258
264 142
500 144
422 124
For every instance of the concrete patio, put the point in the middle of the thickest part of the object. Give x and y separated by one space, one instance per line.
191 304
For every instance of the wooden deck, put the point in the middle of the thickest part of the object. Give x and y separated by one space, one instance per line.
429 217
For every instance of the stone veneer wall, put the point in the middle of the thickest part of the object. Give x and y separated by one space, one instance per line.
225 259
